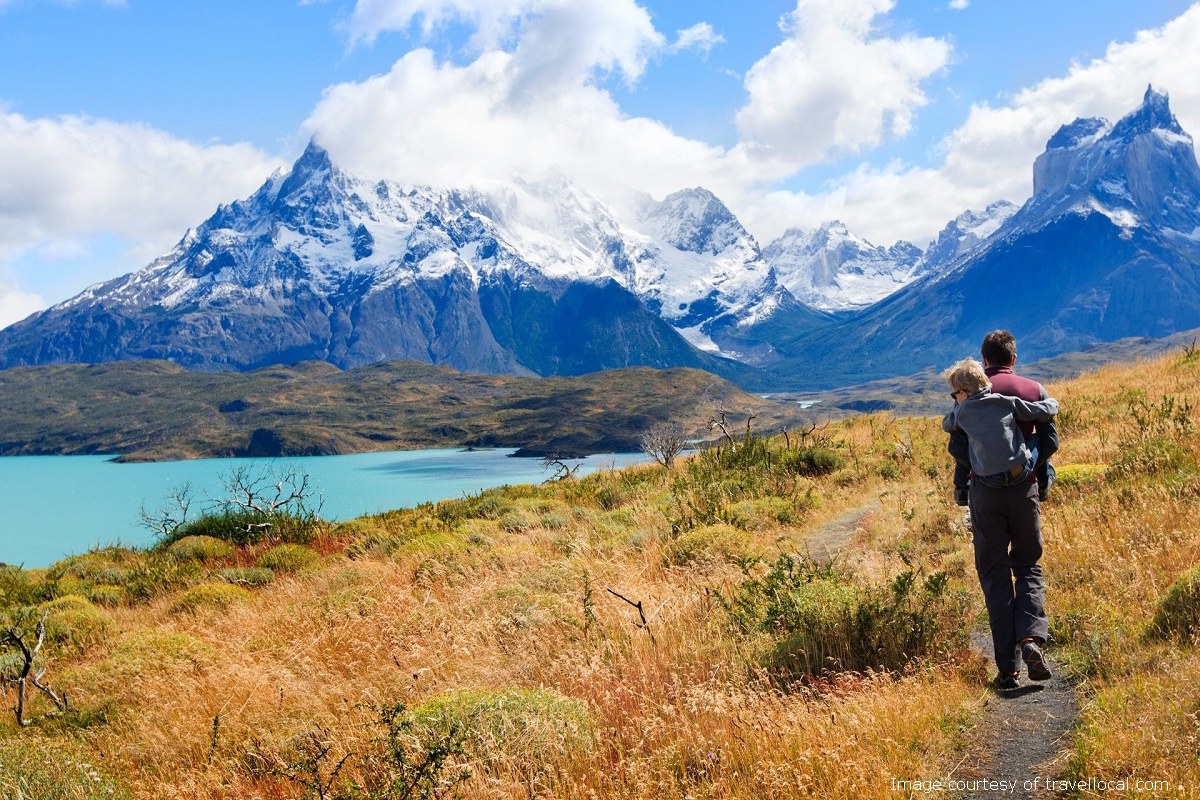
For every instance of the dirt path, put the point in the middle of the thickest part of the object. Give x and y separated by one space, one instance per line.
828 540
1023 736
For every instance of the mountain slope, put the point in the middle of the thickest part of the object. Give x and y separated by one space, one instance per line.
320 265
1106 248
833 270
153 410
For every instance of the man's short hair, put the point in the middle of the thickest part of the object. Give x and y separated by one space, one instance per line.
967 375
999 349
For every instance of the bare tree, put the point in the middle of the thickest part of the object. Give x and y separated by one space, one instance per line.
167 518
718 422
17 634
272 492
663 442
562 470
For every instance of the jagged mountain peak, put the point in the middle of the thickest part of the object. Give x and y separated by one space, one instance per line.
1142 169
312 167
1153 114
1084 130
831 268
695 221
964 233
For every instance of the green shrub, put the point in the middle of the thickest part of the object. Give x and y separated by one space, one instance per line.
1178 614
36 769
12 662
515 723
427 752
249 527
818 619
109 565
157 572
288 558
1075 475
709 544
74 624
149 649
1154 456
201 548
106 594
810 461
247 576
753 515
17 587
209 595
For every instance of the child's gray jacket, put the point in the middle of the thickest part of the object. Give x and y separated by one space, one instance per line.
990 422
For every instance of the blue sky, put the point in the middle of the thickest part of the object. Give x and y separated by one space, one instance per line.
122 123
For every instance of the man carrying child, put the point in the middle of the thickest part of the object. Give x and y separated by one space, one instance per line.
996 417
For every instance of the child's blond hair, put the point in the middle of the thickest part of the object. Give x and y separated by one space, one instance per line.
967 375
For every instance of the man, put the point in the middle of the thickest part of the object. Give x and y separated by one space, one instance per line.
1007 529
999 353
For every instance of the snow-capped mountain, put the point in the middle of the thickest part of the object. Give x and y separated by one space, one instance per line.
962 235
542 277
317 264
834 270
1140 172
1107 247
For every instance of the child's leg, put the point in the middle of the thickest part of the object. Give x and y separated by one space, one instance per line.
1045 479
959 447
1033 443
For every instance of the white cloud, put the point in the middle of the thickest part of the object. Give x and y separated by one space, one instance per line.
557 40
535 106
701 36
66 178
832 86
447 125
16 304
958 5
990 156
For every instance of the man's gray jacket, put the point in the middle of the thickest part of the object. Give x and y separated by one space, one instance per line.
990 422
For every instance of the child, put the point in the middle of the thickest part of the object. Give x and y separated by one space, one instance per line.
998 455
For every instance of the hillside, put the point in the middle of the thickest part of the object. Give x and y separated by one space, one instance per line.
647 633
153 410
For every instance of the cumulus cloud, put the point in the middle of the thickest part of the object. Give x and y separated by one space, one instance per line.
534 103
833 86
990 156
556 40
66 178
436 123
16 304
958 5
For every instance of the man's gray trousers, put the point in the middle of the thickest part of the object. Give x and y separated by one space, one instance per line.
1007 525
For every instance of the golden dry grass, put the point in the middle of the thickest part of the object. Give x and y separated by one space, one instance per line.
510 593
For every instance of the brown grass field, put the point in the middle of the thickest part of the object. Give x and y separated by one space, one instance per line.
493 647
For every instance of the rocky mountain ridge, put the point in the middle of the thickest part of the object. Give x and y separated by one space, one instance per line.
543 278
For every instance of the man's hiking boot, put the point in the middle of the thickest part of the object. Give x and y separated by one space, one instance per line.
1031 654
1006 682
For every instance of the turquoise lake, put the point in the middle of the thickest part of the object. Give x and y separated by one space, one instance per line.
54 506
